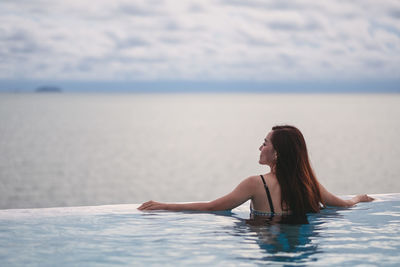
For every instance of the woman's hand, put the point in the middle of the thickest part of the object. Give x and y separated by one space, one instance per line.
152 205
362 198
359 198
330 199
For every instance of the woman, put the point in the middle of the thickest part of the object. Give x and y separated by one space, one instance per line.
289 188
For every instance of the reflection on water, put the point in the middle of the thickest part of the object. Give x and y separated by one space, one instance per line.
288 238
284 238
281 238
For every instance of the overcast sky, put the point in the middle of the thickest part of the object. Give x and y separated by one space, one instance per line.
128 40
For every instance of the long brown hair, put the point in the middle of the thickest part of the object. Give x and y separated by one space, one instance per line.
299 187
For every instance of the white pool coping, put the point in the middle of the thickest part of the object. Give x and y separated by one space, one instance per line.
122 209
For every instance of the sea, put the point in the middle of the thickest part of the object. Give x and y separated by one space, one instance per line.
79 149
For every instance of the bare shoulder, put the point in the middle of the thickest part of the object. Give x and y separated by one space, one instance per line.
254 178
252 181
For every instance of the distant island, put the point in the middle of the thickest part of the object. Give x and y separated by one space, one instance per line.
48 89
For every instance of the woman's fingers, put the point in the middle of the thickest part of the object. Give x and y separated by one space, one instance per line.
146 205
151 205
369 198
365 198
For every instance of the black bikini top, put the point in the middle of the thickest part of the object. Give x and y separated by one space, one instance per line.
271 206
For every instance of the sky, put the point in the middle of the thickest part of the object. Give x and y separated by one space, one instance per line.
206 41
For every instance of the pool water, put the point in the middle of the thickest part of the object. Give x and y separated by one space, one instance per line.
367 234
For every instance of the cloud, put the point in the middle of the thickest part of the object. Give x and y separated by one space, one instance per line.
395 13
293 26
270 5
199 40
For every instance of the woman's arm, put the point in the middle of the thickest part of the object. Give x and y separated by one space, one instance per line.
242 193
332 200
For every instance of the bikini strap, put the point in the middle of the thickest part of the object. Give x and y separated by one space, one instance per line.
271 206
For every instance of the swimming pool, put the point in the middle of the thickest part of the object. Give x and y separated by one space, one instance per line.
120 235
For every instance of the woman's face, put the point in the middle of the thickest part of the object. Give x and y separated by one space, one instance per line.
267 155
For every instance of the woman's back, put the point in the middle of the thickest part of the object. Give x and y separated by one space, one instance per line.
260 202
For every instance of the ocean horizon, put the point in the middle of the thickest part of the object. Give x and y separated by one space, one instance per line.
199 86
